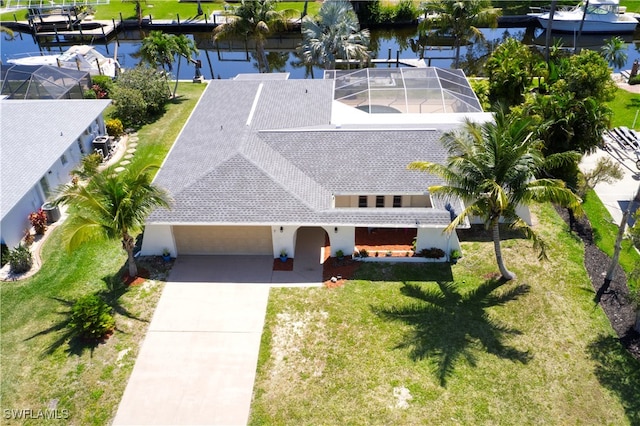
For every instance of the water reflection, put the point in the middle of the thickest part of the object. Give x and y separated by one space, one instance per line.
230 58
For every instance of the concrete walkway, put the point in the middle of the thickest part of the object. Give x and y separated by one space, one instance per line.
197 363
616 196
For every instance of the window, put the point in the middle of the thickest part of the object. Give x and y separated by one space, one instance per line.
63 159
379 200
362 201
397 201
81 147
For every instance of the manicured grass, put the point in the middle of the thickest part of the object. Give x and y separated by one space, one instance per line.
533 351
166 9
625 106
40 366
605 233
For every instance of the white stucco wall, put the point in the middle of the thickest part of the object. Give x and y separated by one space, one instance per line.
344 239
434 237
285 239
156 238
16 220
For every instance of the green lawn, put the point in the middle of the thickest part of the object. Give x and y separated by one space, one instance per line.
605 232
166 9
531 351
625 106
37 366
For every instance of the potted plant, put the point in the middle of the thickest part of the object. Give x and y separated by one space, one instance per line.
455 255
388 253
340 254
166 255
283 255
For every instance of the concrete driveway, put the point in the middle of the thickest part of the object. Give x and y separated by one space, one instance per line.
198 360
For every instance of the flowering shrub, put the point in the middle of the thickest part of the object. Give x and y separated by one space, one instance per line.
114 127
28 237
38 221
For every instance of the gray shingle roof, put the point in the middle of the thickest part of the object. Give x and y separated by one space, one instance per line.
264 151
33 136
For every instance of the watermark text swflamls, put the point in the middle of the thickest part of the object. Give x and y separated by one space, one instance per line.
31 414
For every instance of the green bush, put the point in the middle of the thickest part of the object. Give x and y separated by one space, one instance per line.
634 231
151 84
91 318
634 80
405 11
114 127
102 83
20 259
89 166
90 94
129 106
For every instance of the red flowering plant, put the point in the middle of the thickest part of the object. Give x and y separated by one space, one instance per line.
38 221
100 92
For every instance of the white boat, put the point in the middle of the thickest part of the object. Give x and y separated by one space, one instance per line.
602 16
80 57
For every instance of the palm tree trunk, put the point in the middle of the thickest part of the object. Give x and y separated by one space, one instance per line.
175 88
128 243
263 62
506 274
549 30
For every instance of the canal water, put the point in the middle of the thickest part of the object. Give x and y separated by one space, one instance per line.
228 61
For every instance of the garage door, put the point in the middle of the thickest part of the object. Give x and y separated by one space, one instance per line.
223 239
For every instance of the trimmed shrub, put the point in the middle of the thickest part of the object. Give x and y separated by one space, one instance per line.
20 259
114 127
90 94
91 318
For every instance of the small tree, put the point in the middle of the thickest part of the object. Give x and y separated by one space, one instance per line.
91 318
606 170
129 105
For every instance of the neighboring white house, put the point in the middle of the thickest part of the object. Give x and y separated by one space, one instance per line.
259 158
41 141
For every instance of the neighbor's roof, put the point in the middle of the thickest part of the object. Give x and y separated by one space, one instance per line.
33 136
265 151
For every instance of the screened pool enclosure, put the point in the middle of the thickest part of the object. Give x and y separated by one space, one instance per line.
42 82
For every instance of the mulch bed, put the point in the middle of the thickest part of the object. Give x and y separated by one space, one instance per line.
614 298
143 275
279 265
345 268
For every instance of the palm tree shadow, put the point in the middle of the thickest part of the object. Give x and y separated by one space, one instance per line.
77 346
114 290
447 324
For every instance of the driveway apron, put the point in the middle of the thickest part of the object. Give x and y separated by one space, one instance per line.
197 363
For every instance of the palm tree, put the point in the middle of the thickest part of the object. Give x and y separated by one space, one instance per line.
159 49
255 19
614 52
459 19
112 206
336 35
184 48
492 167
7 31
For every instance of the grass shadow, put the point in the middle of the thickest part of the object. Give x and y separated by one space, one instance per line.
405 272
619 372
447 324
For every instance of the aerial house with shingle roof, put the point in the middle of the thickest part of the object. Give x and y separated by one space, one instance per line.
261 158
